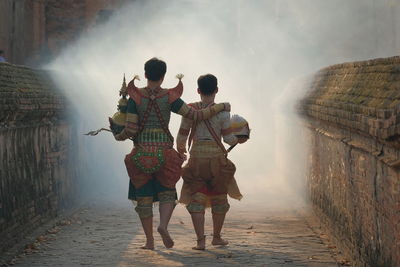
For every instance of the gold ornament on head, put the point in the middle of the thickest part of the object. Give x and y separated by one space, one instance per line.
120 116
122 91
117 122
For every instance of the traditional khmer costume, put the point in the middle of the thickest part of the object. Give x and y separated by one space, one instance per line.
154 166
209 175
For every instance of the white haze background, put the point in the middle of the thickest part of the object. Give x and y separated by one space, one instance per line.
257 49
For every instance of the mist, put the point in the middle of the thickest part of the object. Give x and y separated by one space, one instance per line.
260 52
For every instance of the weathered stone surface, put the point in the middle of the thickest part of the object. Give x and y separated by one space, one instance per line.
32 31
352 111
37 173
363 96
27 97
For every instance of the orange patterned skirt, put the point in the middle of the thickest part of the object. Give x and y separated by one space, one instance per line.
209 175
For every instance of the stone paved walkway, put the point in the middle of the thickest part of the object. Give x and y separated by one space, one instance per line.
111 236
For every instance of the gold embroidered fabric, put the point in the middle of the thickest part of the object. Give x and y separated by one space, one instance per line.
216 173
205 149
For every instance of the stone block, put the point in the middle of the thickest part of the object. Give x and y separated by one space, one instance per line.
33 112
354 179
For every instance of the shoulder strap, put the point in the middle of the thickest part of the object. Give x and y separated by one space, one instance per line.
152 102
145 117
210 129
161 119
215 136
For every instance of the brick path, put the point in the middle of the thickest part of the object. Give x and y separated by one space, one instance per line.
111 236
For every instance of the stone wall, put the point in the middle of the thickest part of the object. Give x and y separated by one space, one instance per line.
34 31
38 175
353 113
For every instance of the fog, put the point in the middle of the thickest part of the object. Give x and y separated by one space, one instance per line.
260 52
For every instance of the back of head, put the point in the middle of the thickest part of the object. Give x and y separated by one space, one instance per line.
207 84
1 52
155 69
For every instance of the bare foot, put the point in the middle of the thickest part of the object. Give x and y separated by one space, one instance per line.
201 244
167 240
149 245
218 241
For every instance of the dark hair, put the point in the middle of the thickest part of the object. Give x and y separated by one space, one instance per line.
1 52
155 69
207 84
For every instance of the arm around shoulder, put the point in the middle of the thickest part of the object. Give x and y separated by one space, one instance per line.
186 111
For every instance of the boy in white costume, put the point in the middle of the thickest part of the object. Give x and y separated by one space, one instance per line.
209 175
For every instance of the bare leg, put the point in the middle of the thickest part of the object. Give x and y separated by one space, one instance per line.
218 221
147 224
166 210
198 223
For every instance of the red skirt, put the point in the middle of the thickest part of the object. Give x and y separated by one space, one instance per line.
165 165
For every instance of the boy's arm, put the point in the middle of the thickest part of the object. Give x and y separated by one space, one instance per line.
226 130
181 108
183 134
131 123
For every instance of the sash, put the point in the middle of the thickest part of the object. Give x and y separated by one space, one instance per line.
151 159
215 137
212 132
